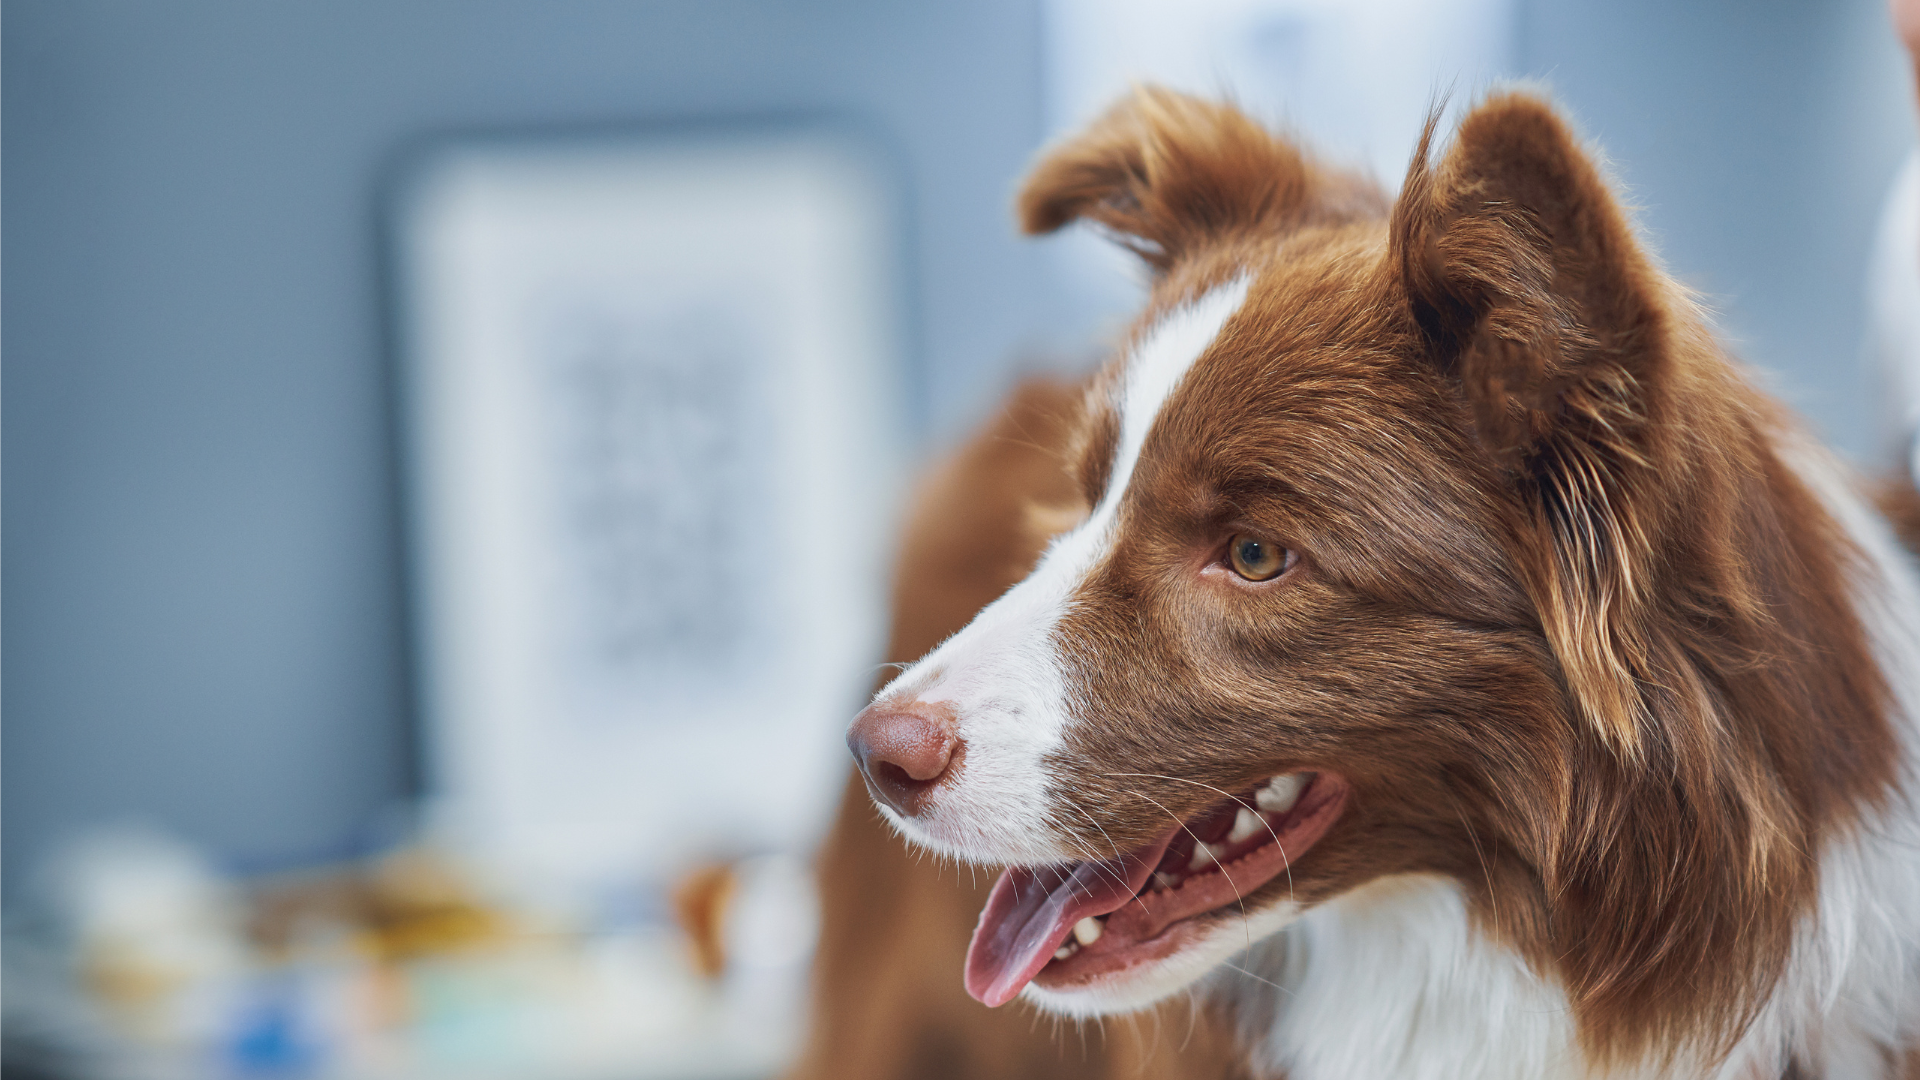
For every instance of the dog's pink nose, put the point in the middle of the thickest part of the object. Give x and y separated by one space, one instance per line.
903 751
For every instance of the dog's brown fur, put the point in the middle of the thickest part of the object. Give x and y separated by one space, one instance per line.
1578 636
1559 578
1899 501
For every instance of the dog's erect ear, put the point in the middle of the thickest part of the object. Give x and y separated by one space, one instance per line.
1524 274
1167 173
1531 291
1663 540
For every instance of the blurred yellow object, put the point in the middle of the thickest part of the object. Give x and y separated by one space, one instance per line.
410 904
120 972
420 905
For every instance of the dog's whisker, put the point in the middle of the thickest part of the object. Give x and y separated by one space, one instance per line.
1087 855
1285 862
1117 877
1493 893
1117 856
1231 966
1246 922
1193 1019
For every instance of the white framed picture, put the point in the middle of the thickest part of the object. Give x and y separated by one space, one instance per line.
654 407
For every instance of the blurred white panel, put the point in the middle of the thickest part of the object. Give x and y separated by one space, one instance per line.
1893 308
1354 79
653 388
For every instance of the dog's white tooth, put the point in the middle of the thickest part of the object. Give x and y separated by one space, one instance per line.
1088 930
1205 857
1065 951
1280 793
1164 880
1246 824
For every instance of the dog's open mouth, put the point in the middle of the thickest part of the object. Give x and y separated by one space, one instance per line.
1067 922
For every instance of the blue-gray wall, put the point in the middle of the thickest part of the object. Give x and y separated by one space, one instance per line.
202 612
1758 138
201 579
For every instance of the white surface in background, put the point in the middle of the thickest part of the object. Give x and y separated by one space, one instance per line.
1893 301
137 965
1353 78
651 391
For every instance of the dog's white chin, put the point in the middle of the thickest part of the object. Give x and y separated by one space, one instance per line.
1145 985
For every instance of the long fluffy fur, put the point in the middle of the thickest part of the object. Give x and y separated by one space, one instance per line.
1621 670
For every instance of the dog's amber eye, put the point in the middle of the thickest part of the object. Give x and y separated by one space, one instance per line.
1256 559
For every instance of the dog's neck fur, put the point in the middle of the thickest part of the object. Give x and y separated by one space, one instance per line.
1396 979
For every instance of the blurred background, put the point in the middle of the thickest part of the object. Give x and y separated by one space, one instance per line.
449 452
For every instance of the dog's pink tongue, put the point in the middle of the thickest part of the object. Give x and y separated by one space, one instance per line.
1033 909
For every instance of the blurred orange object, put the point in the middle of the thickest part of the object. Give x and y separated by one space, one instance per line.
700 901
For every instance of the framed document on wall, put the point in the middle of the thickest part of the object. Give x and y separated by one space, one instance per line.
653 393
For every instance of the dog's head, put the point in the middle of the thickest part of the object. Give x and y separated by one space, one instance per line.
1401 528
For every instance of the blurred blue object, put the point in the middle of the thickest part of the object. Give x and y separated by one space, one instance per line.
271 1038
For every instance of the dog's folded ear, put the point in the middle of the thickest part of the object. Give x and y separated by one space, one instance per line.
1166 173
1534 297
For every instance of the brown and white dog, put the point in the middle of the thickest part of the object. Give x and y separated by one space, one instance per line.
1456 668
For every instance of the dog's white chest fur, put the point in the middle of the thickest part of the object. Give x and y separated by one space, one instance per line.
1391 981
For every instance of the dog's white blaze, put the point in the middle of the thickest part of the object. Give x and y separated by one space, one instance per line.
1001 675
1163 359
